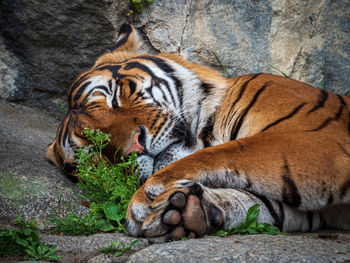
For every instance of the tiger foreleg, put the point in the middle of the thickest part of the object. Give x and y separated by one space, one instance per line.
192 210
275 166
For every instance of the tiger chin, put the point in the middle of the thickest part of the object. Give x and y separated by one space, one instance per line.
210 147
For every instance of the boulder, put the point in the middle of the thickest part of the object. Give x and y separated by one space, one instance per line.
46 44
254 248
30 187
307 40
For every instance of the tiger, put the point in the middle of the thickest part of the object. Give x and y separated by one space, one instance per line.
210 147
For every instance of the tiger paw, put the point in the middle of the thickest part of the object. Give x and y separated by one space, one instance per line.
181 212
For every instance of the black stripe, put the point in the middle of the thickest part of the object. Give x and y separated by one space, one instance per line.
114 69
68 168
281 215
58 157
67 127
132 86
75 85
114 102
330 119
237 127
290 115
101 87
79 93
207 88
206 134
60 131
156 119
310 217
278 220
156 80
248 186
120 90
182 130
161 63
344 189
91 92
80 135
330 199
241 91
160 126
291 194
125 29
343 149
323 97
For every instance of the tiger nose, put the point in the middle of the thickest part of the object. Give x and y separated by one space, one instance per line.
135 145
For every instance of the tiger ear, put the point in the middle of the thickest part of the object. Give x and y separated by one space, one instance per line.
127 39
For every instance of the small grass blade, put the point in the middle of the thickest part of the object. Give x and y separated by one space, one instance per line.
280 71
222 65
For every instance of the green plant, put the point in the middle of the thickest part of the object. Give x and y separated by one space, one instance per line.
251 226
280 71
228 75
76 225
118 248
60 107
137 6
24 240
109 186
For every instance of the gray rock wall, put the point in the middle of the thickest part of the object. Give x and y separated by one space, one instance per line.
45 44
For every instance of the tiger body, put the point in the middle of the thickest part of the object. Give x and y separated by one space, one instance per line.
211 147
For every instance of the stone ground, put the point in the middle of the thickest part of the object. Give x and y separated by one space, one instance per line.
31 187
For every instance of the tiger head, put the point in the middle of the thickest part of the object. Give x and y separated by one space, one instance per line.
149 104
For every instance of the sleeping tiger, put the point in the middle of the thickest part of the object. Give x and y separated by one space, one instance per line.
210 147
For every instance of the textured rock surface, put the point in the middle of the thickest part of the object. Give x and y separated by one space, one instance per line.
297 37
10 89
45 44
258 248
85 248
54 41
29 185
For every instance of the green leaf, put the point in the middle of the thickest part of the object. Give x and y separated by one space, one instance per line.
111 211
221 233
133 243
31 252
106 226
53 249
53 257
22 242
253 213
116 244
118 253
